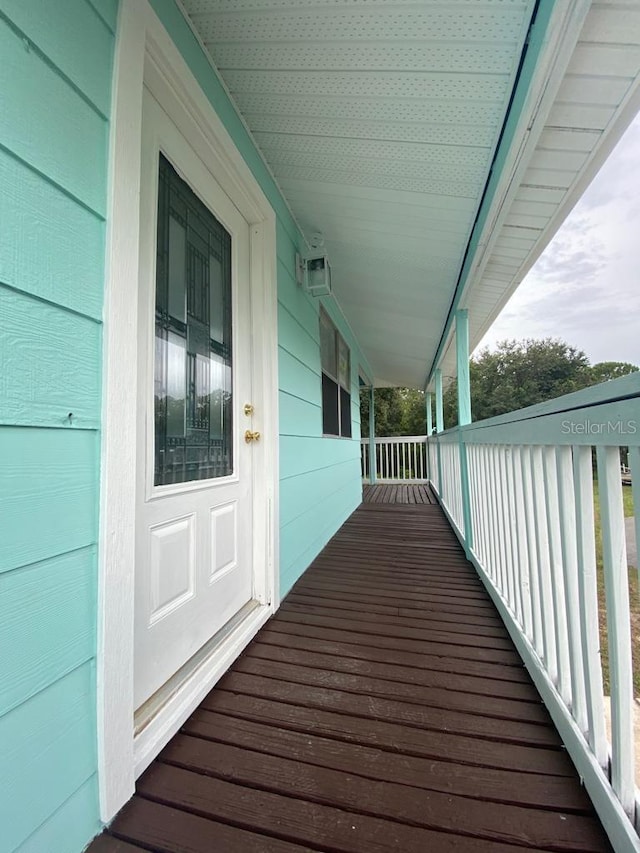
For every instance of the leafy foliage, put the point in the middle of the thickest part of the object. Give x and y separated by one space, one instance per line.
398 411
514 375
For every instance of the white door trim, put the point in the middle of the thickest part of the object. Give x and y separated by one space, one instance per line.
146 55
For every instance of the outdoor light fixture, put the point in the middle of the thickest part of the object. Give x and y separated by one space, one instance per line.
314 272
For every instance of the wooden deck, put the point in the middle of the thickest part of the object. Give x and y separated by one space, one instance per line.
403 493
382 709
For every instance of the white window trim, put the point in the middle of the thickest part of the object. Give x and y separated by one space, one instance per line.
145 54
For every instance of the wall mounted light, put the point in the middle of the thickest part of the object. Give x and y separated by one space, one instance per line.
313 272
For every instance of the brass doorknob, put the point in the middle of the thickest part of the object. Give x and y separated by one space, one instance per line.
251 436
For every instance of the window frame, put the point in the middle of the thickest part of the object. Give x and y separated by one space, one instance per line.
340 386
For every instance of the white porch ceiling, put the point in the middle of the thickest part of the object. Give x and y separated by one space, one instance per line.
380 120
596 99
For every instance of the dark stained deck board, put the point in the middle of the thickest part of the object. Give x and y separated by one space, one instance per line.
383 708
398 493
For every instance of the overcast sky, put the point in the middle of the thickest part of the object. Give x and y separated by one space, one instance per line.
585 287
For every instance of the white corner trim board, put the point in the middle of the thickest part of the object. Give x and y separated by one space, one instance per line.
146 56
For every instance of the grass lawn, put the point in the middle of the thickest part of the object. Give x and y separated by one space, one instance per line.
633 596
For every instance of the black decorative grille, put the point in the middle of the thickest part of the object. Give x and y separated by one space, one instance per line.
193 352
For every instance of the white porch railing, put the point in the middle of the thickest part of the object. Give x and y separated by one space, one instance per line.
399 459
519 491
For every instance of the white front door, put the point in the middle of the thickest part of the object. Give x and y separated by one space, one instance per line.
194 524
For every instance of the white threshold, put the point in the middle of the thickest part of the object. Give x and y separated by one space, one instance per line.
158 720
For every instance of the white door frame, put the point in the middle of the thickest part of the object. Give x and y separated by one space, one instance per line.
146 55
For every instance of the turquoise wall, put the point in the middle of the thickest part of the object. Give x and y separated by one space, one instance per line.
55 85
320 482
55 90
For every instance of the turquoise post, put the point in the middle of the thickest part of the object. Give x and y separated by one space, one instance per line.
462 356
439 425
428 401
439 409
464 418
372 436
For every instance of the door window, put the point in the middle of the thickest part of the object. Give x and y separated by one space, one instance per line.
193 354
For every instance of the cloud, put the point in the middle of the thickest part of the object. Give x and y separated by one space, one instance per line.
585 287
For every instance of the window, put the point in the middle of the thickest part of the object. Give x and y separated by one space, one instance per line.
193 369
336 380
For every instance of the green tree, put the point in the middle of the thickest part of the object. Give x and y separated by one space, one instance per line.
522 373
605 370
514 375
398 411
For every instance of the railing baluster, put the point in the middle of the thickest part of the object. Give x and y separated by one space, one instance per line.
513 534
524 594
532 551
634 467
504 526
542 549
497 533
557 573
568 544
616 584
472 465
489 559
588 595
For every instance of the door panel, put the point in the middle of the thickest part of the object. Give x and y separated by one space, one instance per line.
193 480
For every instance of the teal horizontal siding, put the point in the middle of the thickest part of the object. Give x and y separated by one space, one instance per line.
298 378
48 623
303 454
299 414
49 753
306 491
53 28
297 302
54 241
304 538
55 84
49 493
296 340
49 378
45 123
68 828
107 10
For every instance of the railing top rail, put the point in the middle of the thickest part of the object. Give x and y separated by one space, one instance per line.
621 396
391 439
